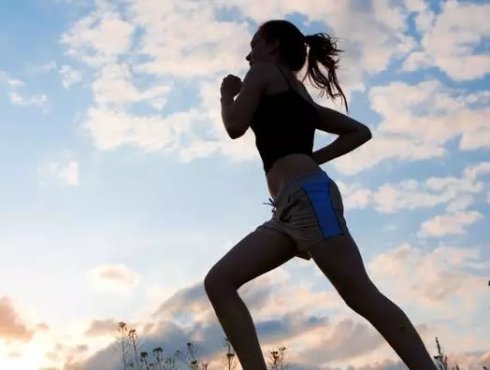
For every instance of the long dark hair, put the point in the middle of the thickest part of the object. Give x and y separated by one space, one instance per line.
293 52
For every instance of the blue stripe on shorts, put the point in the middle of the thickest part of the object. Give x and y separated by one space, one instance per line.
319 194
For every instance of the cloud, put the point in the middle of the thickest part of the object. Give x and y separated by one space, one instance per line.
385 147
449 224
431 280
15 83
434 281
477 170
347 339
20 99
380 33
188 315
413 194
112 128
48 66
69 76
113 87
12 82
355 196
450 40
415 5
12 327
460 204
100 37
44 68
101 327
165 45
417 121
179 52
67 171
36 100
117 86
66 355
115 277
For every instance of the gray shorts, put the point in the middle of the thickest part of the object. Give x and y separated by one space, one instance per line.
309 209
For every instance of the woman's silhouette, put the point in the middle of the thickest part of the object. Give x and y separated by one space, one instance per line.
307 219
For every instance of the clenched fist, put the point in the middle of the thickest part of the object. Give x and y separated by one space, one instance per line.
231 86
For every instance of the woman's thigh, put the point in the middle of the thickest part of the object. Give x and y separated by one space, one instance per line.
259 252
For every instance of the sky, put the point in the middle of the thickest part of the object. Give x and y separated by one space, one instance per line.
120 189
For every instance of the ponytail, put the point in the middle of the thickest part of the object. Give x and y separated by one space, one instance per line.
323 49
293 52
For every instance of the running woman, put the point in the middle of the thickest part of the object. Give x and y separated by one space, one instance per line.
307 216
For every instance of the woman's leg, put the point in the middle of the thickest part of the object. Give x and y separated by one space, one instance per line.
259 252
340 261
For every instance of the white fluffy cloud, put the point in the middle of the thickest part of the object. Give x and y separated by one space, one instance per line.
69 76
477 170
449 224
114 277
113 86
417 121
449 40
165 45
112 128
432 277
100 37
23 101
412 194
460 203
371 34
173 47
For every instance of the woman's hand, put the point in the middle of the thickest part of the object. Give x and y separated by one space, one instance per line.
231 86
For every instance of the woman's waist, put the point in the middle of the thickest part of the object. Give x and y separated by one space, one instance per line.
288 169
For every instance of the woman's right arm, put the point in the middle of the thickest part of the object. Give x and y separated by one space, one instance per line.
351 134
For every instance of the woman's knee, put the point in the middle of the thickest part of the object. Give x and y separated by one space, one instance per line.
362 299
212 281
216 282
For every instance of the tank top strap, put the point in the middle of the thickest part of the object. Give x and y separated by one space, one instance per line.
290 88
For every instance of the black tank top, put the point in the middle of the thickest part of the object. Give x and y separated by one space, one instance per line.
283 123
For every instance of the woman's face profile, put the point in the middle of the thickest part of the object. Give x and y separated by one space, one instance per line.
261 51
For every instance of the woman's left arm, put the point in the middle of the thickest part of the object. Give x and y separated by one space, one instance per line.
237 114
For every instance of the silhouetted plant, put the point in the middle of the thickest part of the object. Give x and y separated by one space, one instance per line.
123 344
135 346
144 360
129 344
278 359
230 355
441 359
163 364
192 363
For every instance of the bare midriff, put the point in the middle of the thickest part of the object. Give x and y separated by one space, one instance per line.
288 168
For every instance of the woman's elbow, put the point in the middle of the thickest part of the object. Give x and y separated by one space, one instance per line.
365 133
